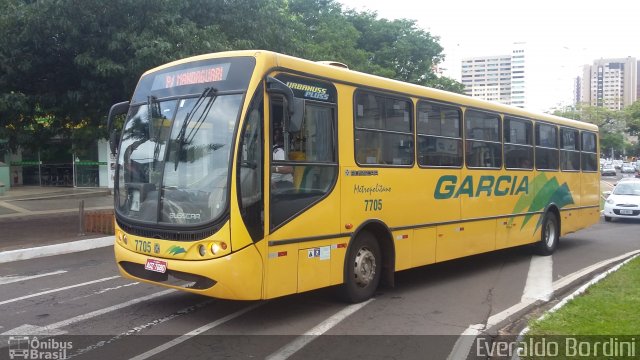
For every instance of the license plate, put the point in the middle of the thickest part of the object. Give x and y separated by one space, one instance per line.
626 212
156 265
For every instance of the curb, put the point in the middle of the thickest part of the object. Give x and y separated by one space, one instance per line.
495 324
57 249
567 282
596 279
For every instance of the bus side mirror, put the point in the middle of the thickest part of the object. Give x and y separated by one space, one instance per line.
114 141
117 109
275 86
606 193
294 104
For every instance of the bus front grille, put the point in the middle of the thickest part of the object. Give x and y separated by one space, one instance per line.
171 277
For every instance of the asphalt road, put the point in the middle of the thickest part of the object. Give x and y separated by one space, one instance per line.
80 298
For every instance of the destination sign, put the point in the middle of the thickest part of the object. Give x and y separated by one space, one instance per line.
191 76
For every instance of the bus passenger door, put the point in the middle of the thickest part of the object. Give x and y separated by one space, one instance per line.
303 173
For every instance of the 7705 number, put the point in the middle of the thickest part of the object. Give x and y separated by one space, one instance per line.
144 246
373 205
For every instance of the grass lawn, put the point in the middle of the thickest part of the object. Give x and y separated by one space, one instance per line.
610 307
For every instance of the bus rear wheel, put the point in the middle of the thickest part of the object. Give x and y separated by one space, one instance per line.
363 267
549 235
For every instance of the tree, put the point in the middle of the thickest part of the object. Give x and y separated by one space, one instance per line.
328 34
64 62
68 61
633 118
396 49
403 50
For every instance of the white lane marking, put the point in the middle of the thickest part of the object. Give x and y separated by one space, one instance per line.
101 291
539 284
27 213
58 289
465 341
139 328
15 208
56 249
27 329
301 341
195 332
14 279
53 328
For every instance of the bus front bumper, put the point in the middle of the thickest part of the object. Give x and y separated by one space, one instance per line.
237 276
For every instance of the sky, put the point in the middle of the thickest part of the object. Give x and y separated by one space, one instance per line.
560 35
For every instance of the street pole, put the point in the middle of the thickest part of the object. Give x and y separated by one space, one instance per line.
81 219
73 169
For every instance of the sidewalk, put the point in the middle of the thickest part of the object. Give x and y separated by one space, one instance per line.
35 200
32 216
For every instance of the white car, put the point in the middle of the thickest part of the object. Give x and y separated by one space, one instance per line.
627 168
624 201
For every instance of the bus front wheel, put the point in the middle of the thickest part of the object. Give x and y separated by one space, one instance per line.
550 235
363 268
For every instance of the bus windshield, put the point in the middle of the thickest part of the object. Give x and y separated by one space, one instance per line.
173 163
175 150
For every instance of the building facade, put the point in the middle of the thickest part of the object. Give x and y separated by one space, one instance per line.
577 90
610 83
497 78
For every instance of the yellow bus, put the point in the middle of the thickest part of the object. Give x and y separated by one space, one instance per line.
252 175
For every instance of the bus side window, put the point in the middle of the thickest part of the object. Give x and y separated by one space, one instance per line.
383 130
482 133
518 143
439 130
589 152
547 154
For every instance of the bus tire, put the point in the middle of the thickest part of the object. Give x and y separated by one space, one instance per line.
549 235
607 218
363 267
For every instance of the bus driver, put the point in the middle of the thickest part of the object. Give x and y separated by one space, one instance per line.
282 176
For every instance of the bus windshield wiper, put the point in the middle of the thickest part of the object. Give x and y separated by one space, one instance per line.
153 107
184 138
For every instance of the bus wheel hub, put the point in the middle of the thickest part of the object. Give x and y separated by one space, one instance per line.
364 267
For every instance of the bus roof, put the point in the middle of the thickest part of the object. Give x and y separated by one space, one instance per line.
356 78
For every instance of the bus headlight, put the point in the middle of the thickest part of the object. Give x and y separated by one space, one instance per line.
202 250
610 201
